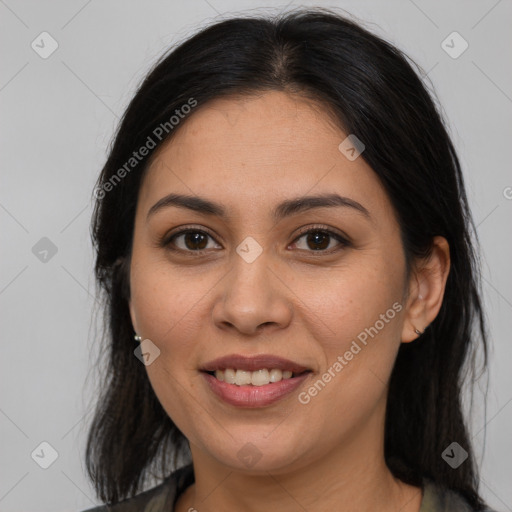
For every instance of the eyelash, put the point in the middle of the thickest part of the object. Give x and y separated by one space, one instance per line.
167 241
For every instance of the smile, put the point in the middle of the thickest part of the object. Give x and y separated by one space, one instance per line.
256 381
256 378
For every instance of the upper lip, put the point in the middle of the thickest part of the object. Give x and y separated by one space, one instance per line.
253 363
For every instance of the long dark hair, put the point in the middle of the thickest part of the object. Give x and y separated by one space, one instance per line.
373 91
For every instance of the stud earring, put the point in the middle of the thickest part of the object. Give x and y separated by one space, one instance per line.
418 332
137 338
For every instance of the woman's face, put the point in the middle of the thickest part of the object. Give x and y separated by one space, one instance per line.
248 285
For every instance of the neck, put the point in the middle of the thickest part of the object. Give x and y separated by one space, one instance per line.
352 478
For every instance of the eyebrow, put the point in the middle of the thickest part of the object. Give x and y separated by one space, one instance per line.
285 209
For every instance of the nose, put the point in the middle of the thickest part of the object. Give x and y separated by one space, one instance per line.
252 299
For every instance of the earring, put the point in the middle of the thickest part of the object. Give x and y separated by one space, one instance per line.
137 338
419 333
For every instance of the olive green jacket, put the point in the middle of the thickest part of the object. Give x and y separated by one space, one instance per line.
163 497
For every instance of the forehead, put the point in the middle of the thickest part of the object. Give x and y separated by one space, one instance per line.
272 120
252 150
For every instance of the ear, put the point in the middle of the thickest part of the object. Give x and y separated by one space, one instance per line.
426 289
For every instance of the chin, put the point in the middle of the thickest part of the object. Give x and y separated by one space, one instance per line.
258 455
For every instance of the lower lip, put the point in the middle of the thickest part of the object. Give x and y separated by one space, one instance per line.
254 396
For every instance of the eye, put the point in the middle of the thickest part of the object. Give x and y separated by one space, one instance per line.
320 240
190 240
197 241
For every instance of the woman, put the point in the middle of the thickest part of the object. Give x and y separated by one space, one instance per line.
282 228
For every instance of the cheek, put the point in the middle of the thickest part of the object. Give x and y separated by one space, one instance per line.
357 324
360 316
166 303
351 301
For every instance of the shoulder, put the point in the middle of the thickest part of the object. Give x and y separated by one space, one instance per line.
157 499
439 499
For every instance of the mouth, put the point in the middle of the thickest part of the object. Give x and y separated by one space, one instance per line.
253 381
260 377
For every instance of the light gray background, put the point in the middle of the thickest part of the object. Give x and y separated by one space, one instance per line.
57 118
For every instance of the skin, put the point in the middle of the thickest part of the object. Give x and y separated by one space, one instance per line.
249 154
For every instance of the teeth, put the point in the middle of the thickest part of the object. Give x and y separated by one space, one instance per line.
242 378
275 375
257 378
229 375
260 378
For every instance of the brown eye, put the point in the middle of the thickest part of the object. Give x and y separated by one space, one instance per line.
195 241
320 240
189 241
